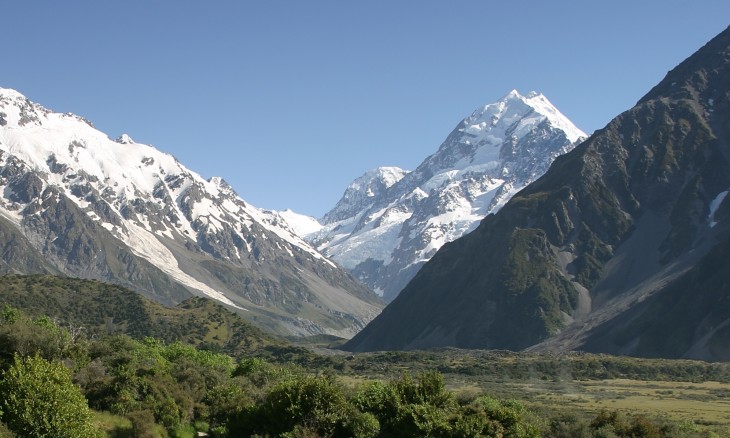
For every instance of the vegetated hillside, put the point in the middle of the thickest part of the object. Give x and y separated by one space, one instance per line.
618 248
99 308
75 202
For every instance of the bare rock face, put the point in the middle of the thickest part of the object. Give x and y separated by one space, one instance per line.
621 247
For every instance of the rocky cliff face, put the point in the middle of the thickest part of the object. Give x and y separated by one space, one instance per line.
618 248
75 202
390 222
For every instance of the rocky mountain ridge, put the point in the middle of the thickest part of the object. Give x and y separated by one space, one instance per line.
75 202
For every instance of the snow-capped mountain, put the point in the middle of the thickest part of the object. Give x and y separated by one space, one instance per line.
390 221
85 205
363 192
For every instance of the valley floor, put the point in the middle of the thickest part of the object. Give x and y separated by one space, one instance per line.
701 406
692 394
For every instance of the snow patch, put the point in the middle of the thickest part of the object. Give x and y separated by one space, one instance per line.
147 246
302 225
714 205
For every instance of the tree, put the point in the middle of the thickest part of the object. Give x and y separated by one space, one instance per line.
39 399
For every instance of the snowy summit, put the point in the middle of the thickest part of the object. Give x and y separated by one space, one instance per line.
390 221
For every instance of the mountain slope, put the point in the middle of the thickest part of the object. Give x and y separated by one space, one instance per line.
98 308
75 202
390 222
633 220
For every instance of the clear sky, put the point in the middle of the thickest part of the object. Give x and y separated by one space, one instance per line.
289 101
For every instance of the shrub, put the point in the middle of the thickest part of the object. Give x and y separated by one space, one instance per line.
299 405
39 400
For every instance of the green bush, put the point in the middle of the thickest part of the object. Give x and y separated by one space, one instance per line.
39 400
382 401
27 337
361 425
314 402
409 407
511 415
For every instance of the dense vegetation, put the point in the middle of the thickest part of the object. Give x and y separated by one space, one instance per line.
170 388
102 308
61 379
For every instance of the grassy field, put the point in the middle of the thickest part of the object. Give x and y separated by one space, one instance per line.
687 393
701 406
705 402
698 407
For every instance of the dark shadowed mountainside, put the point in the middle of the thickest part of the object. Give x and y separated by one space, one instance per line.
621 247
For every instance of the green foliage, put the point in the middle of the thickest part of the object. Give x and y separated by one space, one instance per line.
431 390
361 425
143 424
170 388
314 402
567 426
102 309
381 400
511 415
30 336
9 315
521 366
40 400
614 424
225 401
169 381
424 408
533 296
249 366
177 351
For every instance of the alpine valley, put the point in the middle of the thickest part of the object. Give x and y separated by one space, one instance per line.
77 203
622 247
389 221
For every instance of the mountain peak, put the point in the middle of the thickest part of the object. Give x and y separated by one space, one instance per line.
124 139
9 92
389 221
388 175
514 94
521 113
360 193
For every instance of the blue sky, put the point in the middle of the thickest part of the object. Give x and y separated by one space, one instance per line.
289 101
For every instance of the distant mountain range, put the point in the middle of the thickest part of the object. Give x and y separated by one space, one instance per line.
390 221
622 247
75 202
